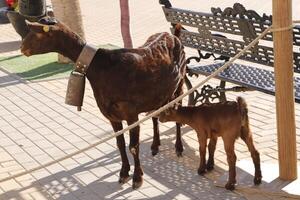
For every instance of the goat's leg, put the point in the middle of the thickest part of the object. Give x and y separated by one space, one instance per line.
255 158
156 139
211 152
202 150
134 150
231 160
178 143
124 172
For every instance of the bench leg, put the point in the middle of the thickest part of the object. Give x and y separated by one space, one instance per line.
222 92
188 84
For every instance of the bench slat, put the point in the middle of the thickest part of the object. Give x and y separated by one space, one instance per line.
227 47
246 29
211 22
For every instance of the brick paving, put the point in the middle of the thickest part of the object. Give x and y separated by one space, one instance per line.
37 127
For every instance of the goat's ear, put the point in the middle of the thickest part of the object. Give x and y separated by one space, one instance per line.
167 111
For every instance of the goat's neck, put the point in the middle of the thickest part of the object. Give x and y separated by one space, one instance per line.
71 46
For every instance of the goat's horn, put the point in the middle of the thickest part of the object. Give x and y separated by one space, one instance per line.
46 28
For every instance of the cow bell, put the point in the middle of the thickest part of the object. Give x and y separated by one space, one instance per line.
75 90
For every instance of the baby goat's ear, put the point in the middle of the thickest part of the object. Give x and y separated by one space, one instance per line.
177 105
167 111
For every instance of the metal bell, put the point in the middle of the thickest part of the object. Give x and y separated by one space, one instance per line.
75 89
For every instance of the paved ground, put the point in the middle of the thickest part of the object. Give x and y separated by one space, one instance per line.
36 127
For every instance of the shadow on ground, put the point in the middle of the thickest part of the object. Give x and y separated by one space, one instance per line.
164 172
38 67
9 46
9 79
46 71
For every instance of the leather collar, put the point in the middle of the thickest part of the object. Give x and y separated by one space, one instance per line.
85 58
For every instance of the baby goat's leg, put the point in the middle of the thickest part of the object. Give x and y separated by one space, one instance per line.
231 160
124 175
255 158
211 152
178 143
202 139
156 139
134 150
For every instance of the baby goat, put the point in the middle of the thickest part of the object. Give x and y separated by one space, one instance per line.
228 120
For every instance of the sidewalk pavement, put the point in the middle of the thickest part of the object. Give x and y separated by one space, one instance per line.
37 127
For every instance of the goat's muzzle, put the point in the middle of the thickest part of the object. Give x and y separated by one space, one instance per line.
25 51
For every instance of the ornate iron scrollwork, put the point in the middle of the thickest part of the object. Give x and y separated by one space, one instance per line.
166 3
242 12
206 56
245 19
207 94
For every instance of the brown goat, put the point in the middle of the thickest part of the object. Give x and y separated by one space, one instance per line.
125 82
228 120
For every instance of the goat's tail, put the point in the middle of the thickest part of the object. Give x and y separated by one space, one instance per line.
177 31
242 105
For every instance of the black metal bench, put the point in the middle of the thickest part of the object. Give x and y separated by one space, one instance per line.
221 35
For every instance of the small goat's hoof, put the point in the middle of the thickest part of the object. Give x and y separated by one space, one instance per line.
123 180
201 171
230 186
137 184
179 153
179 150
257 180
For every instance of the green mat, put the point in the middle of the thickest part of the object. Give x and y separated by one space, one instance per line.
39 67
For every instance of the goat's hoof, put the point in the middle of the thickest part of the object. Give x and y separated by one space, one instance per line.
230 186
257 180
154 152
137 184
201 171
179 153
123 180
209 167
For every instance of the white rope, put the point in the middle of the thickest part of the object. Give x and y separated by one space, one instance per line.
153 114
274 29
290 27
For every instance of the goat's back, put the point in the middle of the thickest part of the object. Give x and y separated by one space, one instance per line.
127 82
217 119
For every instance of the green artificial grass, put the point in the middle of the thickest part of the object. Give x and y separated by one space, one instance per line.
39 67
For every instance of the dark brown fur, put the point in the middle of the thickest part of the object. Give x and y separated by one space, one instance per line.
125 82
228 120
